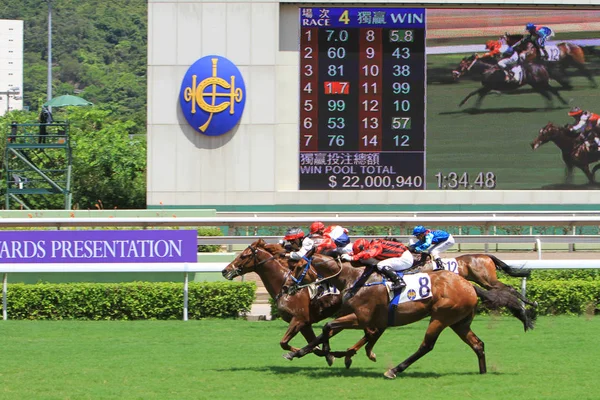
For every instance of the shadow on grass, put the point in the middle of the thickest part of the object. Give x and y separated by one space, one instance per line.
505 110
328 372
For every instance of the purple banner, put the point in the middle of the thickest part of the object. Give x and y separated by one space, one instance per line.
98 246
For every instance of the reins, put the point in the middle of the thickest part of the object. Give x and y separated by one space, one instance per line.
297 281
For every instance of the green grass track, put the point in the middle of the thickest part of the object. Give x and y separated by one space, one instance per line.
229 359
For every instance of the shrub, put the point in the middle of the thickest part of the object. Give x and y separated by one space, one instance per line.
128 301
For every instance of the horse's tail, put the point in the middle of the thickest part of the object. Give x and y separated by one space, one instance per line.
495 299
507 269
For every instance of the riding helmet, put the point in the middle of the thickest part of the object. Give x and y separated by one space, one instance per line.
575 112
360 245
294 233
419 229
530 26
317 227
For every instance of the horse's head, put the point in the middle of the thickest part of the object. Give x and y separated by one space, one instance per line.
253 256
546 134
464 66
509 39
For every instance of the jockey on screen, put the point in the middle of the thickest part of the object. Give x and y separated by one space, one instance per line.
510 58
333 237
433 242
538 36
586 122
388 256
493 49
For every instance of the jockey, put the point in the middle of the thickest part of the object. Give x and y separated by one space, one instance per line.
299 245
388 256
585 123
433 242
333 237
538 36
510 58
493 49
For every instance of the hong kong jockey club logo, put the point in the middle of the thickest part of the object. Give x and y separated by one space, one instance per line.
213 95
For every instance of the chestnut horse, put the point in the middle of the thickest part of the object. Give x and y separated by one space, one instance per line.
562 55
452 304
481 269
569 146
298 310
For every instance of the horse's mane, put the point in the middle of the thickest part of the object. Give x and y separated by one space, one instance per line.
510 39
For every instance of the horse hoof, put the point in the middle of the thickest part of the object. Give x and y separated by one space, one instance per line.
330 359
389 374
348 362
372 357
288 356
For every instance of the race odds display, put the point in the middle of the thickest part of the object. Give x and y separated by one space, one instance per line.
362 98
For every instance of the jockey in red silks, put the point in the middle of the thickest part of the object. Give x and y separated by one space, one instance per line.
493 49
388 256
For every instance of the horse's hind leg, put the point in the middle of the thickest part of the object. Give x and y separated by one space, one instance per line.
463 330
433 332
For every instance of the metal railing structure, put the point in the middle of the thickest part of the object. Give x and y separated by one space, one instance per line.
434 219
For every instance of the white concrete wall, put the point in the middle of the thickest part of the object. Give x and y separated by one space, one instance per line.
11 65
257 163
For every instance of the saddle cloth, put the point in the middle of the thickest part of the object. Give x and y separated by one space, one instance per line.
322 289
552 53
418 287
517 71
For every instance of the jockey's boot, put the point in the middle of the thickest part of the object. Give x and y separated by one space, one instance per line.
397 282
438 264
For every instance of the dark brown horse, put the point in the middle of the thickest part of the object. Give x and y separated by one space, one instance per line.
561 55
481 269
570 147
452 304
298 310
494 79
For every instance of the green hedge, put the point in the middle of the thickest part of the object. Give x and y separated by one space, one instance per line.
128 301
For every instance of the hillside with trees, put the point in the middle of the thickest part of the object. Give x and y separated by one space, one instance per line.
99 52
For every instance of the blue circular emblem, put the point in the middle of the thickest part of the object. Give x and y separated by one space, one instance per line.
213 95
411 294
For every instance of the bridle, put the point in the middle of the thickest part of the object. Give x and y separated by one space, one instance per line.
238 269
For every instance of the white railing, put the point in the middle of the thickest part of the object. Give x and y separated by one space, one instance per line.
401 219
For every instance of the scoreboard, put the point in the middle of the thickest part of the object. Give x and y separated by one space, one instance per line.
362 98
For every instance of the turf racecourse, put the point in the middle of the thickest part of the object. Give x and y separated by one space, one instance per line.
227 359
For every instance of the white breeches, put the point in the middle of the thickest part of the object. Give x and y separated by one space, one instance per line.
509 62
398 263
441 247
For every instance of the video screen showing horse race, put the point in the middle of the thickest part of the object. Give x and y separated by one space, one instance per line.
512 98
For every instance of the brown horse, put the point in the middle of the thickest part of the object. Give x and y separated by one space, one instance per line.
452 304
298 310
481 269
569 146
562 55
493 79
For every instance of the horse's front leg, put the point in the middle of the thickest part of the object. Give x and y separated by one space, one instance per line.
479 92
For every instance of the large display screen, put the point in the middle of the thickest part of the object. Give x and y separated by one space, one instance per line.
448 99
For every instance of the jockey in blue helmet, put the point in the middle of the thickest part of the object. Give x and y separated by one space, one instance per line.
538 36
432 242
